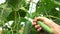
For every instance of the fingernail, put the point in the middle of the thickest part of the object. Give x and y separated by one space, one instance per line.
34 23
37 26
38 29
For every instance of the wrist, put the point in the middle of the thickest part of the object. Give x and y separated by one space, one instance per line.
55 31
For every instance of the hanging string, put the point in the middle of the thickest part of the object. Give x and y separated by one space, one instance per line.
32 6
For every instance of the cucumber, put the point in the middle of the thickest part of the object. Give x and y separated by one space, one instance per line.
45 27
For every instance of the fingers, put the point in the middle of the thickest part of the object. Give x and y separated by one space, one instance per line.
38 27
41 19
34 22
35 25
44 20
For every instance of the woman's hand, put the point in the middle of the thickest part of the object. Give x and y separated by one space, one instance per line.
55 27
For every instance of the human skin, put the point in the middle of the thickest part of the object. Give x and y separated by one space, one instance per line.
55 27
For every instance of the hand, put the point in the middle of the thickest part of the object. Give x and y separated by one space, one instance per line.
55 27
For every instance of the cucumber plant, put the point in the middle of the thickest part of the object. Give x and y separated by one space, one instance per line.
11 10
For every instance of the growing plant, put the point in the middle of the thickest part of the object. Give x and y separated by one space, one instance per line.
22 13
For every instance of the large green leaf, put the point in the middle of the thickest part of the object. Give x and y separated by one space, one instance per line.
13 3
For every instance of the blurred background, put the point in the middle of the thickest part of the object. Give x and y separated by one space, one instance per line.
16 15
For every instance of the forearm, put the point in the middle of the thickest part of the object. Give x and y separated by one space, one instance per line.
56 29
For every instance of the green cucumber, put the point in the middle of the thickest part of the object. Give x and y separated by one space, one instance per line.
45 27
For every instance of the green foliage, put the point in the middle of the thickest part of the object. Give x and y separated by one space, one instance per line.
22 12
12 10
11 16
27 27
13 3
